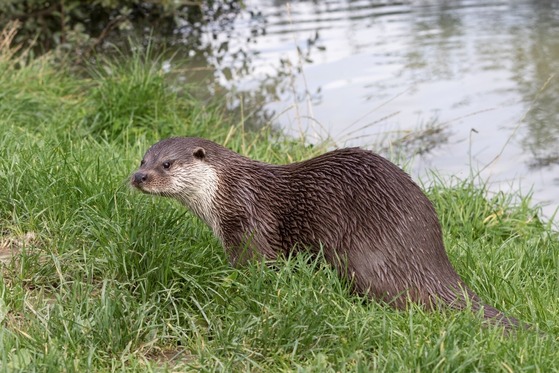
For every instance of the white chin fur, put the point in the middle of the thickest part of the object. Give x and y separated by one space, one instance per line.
195 186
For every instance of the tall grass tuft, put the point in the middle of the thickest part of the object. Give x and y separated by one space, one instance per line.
131 97
33 89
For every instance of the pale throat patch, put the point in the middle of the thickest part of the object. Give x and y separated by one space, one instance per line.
195 186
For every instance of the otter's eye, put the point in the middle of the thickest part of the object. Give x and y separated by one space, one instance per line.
166 165
142 162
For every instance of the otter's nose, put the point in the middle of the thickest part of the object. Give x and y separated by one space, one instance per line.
139 178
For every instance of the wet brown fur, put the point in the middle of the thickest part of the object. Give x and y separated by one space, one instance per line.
374 224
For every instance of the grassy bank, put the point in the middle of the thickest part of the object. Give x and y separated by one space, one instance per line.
98 278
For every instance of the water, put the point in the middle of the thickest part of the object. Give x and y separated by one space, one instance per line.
464 85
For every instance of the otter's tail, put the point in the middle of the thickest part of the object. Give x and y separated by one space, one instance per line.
466 297
496 317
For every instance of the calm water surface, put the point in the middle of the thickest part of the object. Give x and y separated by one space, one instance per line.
464 85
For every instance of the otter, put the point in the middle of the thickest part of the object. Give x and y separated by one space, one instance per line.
370 219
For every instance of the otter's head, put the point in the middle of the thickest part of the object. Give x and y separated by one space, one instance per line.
179 168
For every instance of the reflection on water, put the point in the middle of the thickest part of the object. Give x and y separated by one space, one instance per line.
473 80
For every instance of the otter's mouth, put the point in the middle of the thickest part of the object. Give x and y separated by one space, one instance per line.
141 187
144 188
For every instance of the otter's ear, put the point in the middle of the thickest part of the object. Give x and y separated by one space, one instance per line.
199 153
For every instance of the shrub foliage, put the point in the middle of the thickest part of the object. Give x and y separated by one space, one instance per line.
82 26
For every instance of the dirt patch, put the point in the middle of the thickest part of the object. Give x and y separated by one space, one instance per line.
171 359
11 245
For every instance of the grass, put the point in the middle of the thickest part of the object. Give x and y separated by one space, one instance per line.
98 278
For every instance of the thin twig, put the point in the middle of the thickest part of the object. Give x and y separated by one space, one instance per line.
551 77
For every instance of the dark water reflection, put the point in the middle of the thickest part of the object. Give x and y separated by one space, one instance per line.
464 84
